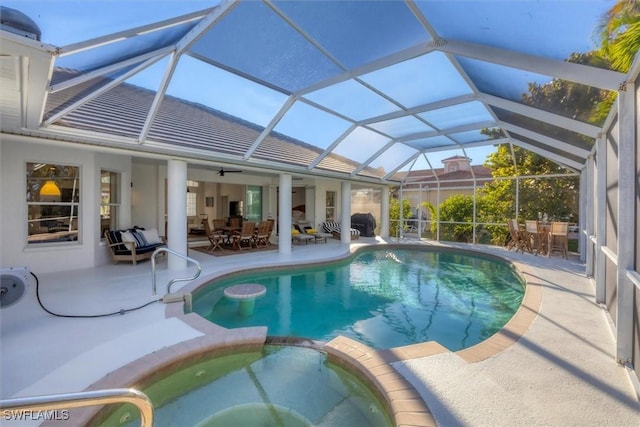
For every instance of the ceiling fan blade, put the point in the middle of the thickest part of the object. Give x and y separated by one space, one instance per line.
222 171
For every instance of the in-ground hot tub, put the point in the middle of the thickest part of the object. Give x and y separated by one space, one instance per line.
278 386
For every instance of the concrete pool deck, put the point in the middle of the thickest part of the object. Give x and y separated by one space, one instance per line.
561 371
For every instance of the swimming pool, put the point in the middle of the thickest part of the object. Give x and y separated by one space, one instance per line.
278 386
383 297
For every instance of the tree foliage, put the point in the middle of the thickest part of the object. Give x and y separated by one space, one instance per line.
395 206
458 209
619 34
555 197
567 98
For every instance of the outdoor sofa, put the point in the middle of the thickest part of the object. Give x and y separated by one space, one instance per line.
132 245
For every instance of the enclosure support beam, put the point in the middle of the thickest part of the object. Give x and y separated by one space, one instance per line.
438 204
626 223
582 203
590 184
345 235
384 223
601 215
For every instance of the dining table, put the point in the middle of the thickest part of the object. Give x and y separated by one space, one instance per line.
228 231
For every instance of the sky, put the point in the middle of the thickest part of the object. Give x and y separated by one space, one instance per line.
66 22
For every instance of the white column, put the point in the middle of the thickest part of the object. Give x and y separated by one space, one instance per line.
626 222
384 214
345 216
284 215
177 212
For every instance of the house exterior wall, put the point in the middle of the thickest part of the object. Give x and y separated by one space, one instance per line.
88 250
145 196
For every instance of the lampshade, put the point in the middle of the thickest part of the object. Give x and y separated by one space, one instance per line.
50 188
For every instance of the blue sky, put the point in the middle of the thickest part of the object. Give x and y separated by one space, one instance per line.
66 22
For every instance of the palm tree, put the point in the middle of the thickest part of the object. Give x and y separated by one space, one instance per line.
619 33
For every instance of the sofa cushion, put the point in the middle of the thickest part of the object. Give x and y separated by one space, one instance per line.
336 227
150 248
127 236
331 227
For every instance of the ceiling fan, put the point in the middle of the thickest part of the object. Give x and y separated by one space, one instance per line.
221 172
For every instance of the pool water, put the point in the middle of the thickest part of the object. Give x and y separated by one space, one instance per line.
383 298
280 386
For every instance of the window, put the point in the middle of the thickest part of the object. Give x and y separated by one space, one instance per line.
191 204
331 206
53 201
254 203
192 198
109 201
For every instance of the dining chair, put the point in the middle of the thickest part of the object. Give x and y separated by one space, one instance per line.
271 227
532 233
516 239
245 239
558 238
262 234
216 238
219 224
236 222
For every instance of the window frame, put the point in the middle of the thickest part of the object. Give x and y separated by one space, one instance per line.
253 196
117 205
61 233
330 207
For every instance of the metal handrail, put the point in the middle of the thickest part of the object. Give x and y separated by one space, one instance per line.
20 407
184 279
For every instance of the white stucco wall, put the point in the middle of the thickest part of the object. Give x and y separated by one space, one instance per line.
145 195
88 250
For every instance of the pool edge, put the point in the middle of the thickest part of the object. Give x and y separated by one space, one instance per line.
403 401
515 327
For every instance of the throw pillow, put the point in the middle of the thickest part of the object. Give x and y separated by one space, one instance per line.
151 236
128 237
140 240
